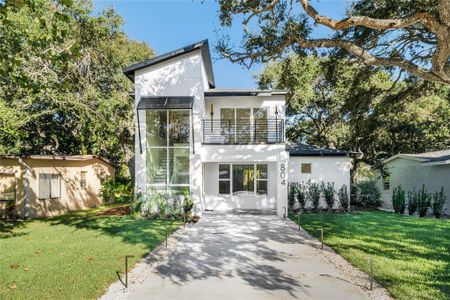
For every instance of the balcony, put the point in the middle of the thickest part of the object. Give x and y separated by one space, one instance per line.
243 131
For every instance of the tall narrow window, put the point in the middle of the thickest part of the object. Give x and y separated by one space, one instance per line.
386 182
83 182
261 179
224 179
168 145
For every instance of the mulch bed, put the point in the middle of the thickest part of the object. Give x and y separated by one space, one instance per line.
116 211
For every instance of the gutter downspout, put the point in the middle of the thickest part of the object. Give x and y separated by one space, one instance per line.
26 212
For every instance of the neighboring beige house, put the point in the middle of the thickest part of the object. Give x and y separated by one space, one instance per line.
431 169
48 185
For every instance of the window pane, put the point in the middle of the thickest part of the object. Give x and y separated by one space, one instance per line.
156 165
156 127
44 186
261 171
7 187
261 187
55 186
306 168
224 187
179 128
224 171
243 178
179 165
242 125
227 124
260 119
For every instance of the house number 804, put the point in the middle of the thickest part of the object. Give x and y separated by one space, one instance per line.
283 174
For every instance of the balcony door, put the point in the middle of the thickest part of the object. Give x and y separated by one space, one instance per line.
236 125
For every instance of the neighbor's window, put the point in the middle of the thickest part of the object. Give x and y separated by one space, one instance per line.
386 182
7 187
306 168
49 186
83 183
224 179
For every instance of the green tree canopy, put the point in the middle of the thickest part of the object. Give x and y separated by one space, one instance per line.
62 90
359 108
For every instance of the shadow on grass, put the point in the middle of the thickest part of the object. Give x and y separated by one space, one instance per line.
149 232
7 229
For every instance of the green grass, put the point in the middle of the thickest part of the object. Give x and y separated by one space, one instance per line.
74 256
411 255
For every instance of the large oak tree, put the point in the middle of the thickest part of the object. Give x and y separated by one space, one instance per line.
413 35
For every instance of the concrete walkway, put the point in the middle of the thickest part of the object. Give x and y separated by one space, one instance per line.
244 257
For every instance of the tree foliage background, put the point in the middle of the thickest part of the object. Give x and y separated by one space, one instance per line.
62 90
347 105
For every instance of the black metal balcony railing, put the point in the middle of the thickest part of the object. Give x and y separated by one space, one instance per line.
224 131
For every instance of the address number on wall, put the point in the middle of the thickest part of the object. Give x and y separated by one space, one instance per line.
283 174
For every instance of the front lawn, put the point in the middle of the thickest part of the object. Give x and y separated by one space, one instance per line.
411 255
74 256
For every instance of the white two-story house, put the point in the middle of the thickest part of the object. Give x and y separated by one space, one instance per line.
226 145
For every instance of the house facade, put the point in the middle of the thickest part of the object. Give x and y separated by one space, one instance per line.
411 171
227 146
50 185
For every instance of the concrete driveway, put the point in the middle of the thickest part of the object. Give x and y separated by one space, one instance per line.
243 256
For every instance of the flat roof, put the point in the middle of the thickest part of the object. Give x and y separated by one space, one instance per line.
59 157
309 150
242 92
201 45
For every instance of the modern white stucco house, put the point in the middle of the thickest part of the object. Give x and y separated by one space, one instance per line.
411 171
226 145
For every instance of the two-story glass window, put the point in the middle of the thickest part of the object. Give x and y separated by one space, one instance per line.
168 149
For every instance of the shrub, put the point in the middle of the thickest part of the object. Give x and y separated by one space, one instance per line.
423 201
161 201
412 202
399 200
188 204
343 197
292 195
328 194
367 194
438 203
136 204
314 194
117 190
302 196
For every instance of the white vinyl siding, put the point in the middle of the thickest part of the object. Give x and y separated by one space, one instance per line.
49 186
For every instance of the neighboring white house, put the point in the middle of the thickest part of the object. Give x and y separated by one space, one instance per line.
226 145
411 171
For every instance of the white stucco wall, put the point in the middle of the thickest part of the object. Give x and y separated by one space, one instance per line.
180 76
412 174
323 169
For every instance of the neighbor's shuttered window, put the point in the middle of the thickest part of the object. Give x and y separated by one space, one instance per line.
49 186
83 182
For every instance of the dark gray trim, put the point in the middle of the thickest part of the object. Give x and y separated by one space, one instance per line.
202 45
307 150
175 102
241 93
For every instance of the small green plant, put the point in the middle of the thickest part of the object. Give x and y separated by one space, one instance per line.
328 194
367 194
162 205
399 200
438 203
292 195
302 196
412 202
188 204
314 194
423 201
136 204
343 197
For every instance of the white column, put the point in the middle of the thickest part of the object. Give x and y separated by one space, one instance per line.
282 183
